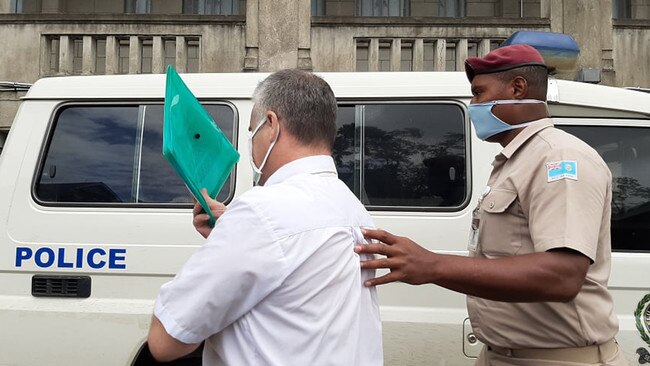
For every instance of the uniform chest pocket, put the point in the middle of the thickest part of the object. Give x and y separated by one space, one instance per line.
498 201
501 224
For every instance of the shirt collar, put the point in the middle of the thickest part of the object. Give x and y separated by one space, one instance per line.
308 165
525 135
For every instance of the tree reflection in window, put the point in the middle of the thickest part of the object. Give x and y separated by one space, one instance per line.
413 155
626 150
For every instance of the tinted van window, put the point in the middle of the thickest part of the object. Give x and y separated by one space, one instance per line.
403 156
113 154
626 150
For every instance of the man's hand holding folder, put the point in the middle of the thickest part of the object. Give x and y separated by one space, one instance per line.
201 220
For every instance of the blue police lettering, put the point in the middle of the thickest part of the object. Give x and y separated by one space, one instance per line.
113 258
49 255
77 258
22 254
91 256
61 263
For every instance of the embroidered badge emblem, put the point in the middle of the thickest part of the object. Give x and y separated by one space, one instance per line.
563 169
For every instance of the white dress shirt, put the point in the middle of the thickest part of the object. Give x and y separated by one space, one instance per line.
278 282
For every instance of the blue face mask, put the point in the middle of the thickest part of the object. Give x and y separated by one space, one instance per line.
487 124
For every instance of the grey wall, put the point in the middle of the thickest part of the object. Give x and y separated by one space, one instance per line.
632 54
279 34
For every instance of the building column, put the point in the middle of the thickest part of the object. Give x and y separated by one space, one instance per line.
396 54
112 55
135 55
65 55
304 35
251 60
181 54
590 23
89 56
440 55
373 55
461 54
158 56
278 30
483 47
418 55
46 44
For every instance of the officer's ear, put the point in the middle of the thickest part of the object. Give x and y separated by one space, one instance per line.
519 87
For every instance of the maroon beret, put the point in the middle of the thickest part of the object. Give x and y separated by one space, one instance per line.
502 59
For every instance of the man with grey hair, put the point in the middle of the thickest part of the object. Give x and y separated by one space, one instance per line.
278 282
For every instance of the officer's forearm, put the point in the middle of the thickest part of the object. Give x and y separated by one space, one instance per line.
549 276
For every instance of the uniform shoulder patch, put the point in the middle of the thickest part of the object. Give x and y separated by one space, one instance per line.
563 169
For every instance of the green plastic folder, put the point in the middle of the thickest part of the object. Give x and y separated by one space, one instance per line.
193 144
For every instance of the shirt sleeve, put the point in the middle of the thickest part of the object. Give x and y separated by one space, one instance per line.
568 203
238 266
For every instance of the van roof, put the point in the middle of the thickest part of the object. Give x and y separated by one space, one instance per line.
346 85
241 85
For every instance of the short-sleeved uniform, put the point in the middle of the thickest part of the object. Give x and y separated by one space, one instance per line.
547 190
278 282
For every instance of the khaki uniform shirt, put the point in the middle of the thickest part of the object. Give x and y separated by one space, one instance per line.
547 190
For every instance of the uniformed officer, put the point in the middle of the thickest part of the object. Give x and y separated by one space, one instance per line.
536 277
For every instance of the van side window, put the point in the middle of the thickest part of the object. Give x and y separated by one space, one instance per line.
403 156
113 154
626 150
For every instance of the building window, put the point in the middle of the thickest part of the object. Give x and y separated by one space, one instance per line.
394 8
472 49
123 56
193 53
138 6
362 55
450 56
406 56
100 56
429 52
54 45
403 155
170 52
384 55
211 7
146 56
77 55
16 6
621 9
318 7
451 8
628 9
514 9
494 45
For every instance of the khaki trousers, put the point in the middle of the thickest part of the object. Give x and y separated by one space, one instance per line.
490 358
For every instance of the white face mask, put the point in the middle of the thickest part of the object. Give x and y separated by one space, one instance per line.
257 172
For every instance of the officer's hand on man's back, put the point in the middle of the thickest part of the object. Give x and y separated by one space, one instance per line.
407 261
201 218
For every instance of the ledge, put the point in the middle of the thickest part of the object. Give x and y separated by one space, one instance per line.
326 21
176 19
631 23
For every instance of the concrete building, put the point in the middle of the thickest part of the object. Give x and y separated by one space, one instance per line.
42 38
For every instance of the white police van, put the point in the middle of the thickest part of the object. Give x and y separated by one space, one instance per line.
93 219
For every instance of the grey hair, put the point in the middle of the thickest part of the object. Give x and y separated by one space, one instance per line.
303 101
